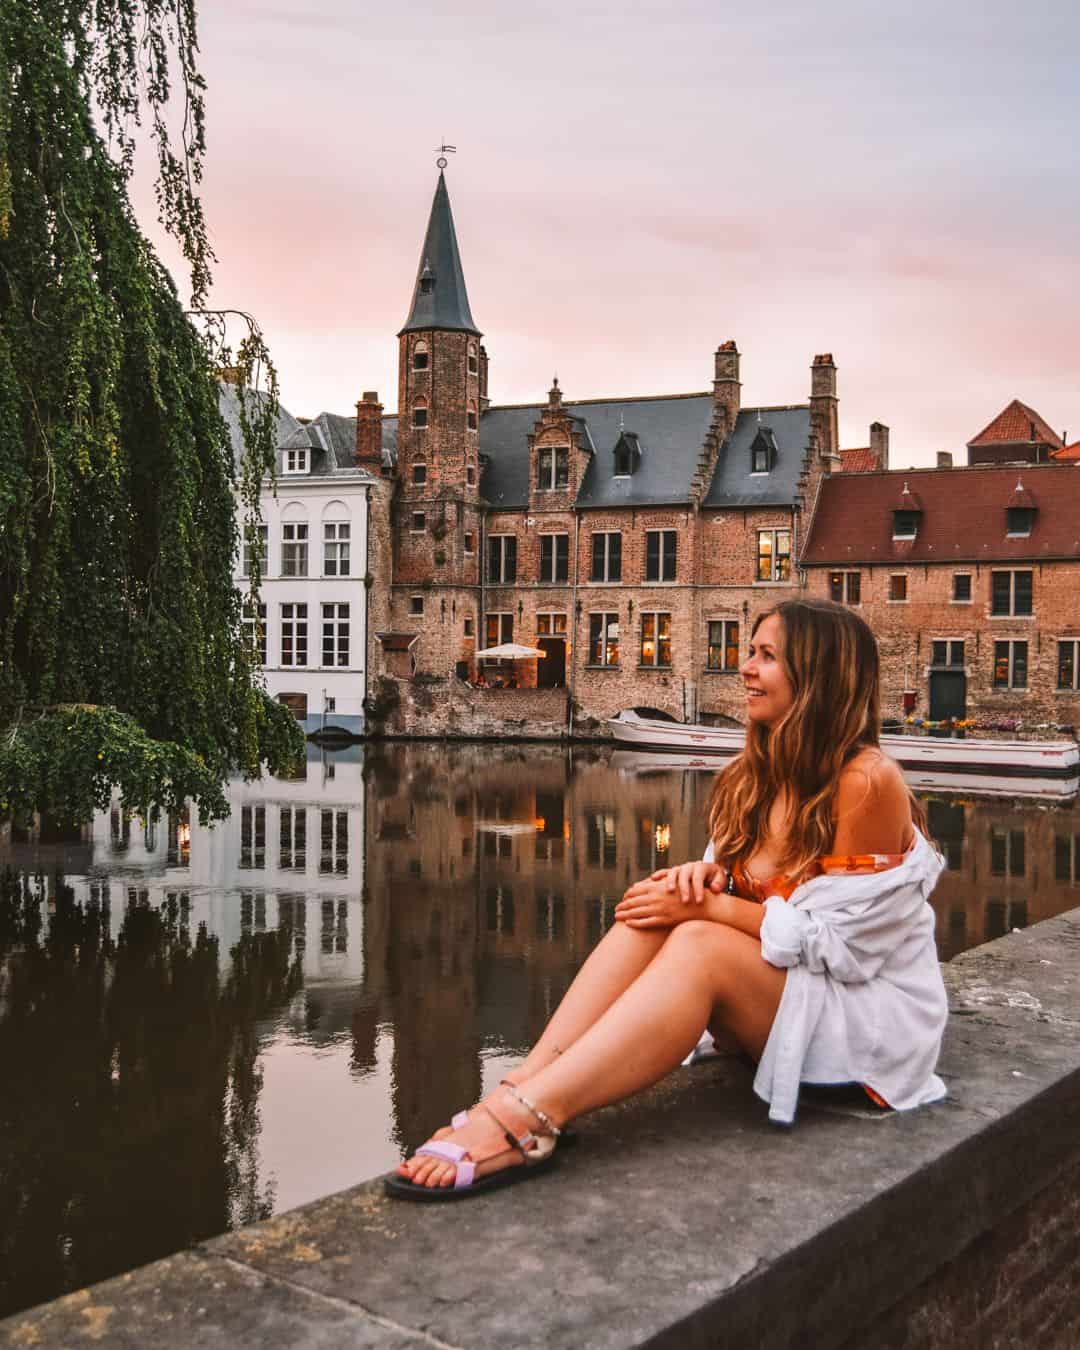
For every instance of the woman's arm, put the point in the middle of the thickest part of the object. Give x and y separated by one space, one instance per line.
873 807
691 891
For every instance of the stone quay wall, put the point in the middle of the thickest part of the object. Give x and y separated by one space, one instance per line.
430 706
948 1228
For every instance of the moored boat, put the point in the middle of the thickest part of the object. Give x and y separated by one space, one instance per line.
941 753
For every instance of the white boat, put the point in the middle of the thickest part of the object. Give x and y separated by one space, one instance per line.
936 753
969 783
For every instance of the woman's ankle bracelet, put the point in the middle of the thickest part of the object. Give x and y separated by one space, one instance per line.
542 1116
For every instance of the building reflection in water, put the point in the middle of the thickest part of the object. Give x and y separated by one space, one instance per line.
359 951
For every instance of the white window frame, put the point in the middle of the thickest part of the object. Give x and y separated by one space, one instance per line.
255 629
337 538
550 470
294 548
295 461
335 632
294 627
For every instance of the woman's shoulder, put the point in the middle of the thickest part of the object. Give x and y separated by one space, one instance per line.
872 803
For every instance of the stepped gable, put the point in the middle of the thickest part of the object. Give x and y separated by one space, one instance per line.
1015 425
734 484
963 516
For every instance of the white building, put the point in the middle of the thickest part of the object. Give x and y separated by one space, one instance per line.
314 594
292 852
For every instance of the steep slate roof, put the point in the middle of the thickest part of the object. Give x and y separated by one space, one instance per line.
229 407
446 305
963 516
670 434
1013 426
733 482
859 460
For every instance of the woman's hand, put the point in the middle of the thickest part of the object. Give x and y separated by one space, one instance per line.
671 895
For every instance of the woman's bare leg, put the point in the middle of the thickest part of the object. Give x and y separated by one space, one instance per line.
703 972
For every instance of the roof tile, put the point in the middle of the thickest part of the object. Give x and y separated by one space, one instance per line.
1015 425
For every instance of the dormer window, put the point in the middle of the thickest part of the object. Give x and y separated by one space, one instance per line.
427 281
627 454
296 461
420 356
1018 521
763 451
553 465
905 524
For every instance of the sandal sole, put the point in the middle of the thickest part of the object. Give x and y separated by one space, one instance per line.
400 1189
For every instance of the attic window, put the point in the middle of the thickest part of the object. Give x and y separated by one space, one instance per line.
763 451
905 524
627 455
1018 521
296 461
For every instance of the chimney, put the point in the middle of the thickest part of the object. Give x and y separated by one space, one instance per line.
944 459
824 420
485 402
726 388
369 413
879 444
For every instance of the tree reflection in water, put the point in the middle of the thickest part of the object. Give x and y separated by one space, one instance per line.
129 1086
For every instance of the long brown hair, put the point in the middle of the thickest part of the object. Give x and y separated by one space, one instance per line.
831 659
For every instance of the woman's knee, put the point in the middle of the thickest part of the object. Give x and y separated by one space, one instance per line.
703 935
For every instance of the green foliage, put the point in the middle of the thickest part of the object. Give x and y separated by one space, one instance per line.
117 513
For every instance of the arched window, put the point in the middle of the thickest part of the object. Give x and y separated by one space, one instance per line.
419 413
472 359
420 356
470 415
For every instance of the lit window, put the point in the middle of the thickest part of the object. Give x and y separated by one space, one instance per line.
551 625
603 639
723 649
774 555
1068 668
845 588
1010 665
655 639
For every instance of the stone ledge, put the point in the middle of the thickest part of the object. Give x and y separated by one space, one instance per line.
682 1219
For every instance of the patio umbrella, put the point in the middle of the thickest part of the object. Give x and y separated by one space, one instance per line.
511 651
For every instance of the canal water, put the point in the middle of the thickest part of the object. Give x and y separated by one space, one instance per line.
202 1027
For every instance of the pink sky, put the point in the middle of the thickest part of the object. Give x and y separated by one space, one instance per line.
636 183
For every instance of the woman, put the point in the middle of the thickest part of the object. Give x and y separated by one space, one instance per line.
804 936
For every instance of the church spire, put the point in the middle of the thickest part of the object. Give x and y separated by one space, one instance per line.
439 297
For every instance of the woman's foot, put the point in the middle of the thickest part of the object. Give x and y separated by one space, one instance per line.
484 1138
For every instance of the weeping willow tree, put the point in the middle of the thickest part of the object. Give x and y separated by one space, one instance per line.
122 653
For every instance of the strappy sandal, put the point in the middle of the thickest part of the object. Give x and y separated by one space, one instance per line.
568 1137
537 1155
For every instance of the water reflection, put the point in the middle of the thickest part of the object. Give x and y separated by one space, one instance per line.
204 1025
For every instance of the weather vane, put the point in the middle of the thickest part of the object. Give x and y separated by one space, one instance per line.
445 150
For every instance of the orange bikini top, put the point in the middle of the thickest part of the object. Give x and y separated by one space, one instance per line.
832 864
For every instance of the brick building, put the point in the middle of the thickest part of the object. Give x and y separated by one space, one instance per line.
629 539
969 577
